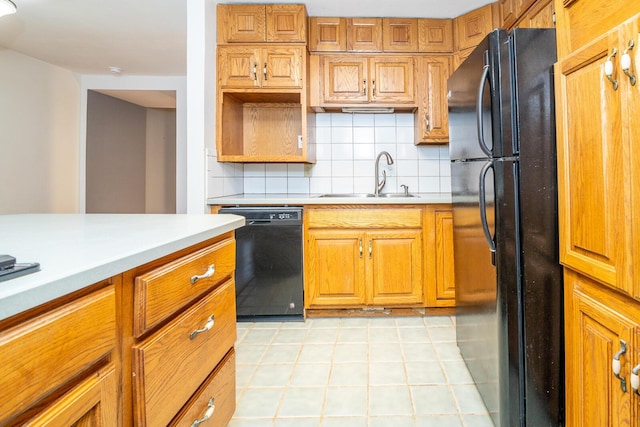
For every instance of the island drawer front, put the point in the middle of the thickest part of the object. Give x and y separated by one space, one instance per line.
170 365
364 218
163 290
44 353
221 387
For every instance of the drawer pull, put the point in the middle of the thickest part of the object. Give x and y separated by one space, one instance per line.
206 328
615 366
207 414
206 275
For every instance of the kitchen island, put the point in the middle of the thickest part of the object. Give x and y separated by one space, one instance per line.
122 310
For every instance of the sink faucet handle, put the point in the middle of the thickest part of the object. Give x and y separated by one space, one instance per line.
405 188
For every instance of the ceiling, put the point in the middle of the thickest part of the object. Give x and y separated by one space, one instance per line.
148 37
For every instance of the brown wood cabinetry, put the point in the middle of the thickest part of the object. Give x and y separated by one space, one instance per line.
364 34
440 266
359 256
327 34
57 365
260 67
541 15
596 107
355 79
435 35
246 23
432 117
473 26
399 35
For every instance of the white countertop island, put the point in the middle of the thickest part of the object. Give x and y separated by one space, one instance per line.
76 250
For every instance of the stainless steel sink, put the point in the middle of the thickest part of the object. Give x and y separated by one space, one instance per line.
389 195
359 195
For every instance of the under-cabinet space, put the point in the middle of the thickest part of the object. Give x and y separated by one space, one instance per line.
262 127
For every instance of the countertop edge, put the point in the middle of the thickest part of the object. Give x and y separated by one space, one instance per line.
314 199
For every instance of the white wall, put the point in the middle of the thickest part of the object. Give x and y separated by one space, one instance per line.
39 107
346 148
160 179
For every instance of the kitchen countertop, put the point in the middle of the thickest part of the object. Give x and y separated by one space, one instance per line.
314 199
76 250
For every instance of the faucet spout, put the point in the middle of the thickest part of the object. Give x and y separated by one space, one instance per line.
380 184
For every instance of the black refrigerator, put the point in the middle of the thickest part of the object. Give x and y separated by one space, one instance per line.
509 286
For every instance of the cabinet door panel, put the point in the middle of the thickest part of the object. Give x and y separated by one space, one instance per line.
399 35
432 124
364 34
283 67
238 67
345 79
593 334
241 23
445 279
435 35
591 168
335 269
327 34
632 107
392 80
286 23
394 266
472 27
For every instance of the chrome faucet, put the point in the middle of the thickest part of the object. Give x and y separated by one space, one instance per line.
380 184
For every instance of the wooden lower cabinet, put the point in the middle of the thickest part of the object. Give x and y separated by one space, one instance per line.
600 325
440 264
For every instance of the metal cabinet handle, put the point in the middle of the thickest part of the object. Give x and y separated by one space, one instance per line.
608 68
255 71
479 111
483 208
615 365
625 63
426 121
207 327
210 271
207 414
373 88
635 380
364 87
360 247
264 71
370 249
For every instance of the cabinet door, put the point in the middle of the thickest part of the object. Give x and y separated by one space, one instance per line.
335 271
592 168
364 34
435 35
445 277
391 80
473 26
432 116
394 266
593 336
327 34
286 23
539 16
345 79
632 107
399 35
238 67
241 23
508 13
282 67
522 6
92 403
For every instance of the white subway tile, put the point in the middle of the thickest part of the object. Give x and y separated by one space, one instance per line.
385 134
320 185
429 184
385 120
215 186
363 185
405 135
391 148
298 185
322 168
342 184
341 135
276 169
342 168
341 119
323 135
276 185
323 152
295 169
323 120
342 152
445 168
254 170
407 167
364 135
234 185
444 151
445 184
254 185
363 168
407 151
391 185
215 168
428 152
364 152
404 119
363 120
428 168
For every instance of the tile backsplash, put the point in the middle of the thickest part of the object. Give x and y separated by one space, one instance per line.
346 148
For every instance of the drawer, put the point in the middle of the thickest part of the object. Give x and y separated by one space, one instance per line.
364 218
42 354
220 390
162 291
171 364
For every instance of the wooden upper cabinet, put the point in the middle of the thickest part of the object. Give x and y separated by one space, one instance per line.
360 79
522 6
260 67
541 15
245 23
364 34
579 22
435 35
508 13
327 34
472 27
399 35
432 116
286 23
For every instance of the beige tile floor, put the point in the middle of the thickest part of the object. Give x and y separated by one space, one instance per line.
354 372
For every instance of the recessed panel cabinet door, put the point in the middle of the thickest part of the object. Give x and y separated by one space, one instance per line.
345 79
335 273
238 67
281 67
243 23
394 266
593 168
392 80
594 336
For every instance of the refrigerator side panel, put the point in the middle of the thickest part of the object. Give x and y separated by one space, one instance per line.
542 279
476 303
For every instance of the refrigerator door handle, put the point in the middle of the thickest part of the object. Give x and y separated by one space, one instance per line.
483 210
479 115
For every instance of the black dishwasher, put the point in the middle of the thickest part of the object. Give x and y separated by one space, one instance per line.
269 282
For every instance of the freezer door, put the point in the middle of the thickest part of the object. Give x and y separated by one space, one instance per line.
476 303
